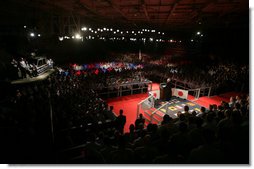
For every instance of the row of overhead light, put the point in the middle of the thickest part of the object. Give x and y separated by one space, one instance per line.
118 31
120 35
115 34
89 37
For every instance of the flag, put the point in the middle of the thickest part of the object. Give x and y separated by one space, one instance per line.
180 93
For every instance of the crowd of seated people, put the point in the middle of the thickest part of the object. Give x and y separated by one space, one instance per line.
85 129
35 116
219 135
220 77
108 77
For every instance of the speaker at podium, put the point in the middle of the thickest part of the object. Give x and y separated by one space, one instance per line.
163 91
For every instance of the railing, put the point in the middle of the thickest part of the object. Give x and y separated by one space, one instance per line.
150 104
196 92
155 112
180 84
125 89
203 91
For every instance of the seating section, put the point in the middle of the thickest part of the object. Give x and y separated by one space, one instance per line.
63 120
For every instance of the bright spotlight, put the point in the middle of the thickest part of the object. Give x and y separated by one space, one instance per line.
84 29
32 34
39 35
151 39
25 26
77 36
198 33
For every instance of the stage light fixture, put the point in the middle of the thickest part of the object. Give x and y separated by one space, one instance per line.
77 36
198 33
32 34
84 29
39 35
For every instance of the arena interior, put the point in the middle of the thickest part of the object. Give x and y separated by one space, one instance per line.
124 82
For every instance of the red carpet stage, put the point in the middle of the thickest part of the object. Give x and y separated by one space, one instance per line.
129 103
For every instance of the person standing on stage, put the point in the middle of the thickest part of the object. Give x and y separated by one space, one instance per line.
168 90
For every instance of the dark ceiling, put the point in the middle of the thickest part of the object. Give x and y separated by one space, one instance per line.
159 14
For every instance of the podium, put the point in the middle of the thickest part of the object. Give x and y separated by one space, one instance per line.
163 91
